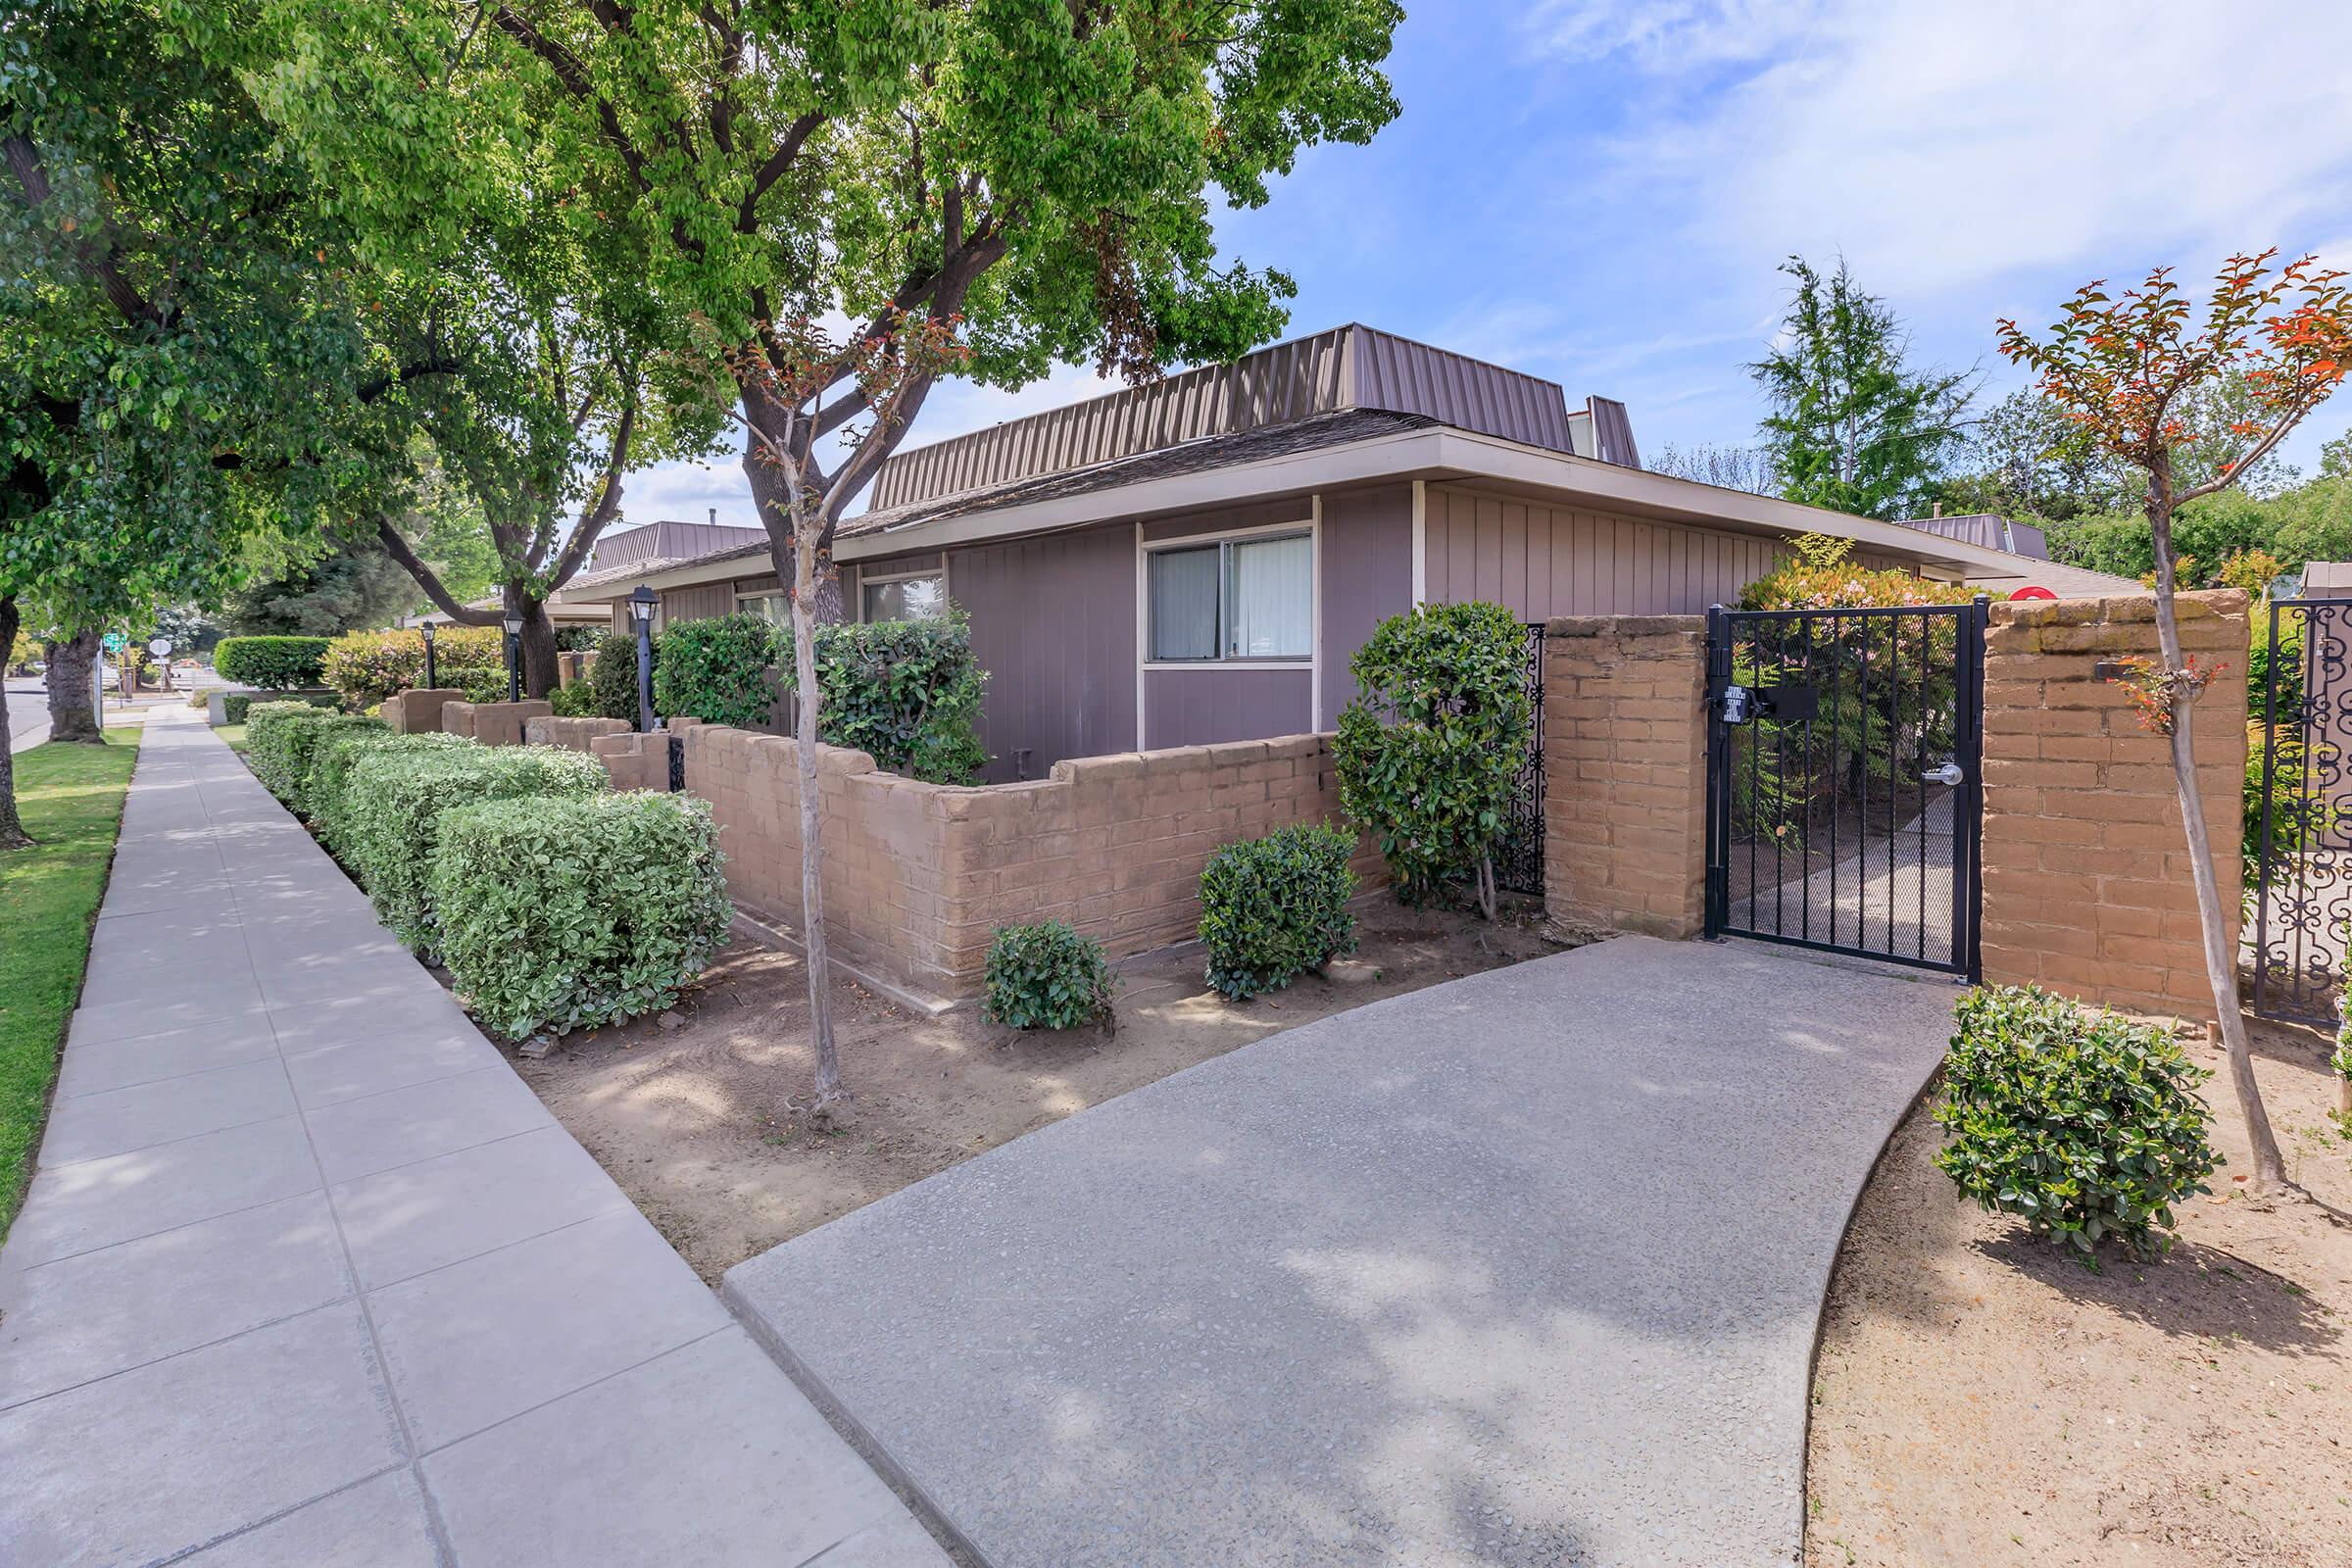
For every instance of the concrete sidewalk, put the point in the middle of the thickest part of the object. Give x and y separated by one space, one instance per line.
1521 1269
308 1275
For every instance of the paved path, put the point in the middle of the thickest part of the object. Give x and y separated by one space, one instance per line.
27 712
308 1276
1522 1269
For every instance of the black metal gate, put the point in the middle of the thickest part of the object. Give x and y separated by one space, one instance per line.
1519 863
2299 882
1844 797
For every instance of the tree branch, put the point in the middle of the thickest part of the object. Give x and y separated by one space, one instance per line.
746 215
429 580
574 78
2261 449
102 263
608 502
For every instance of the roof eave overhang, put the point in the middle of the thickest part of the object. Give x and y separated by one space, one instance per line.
1438 453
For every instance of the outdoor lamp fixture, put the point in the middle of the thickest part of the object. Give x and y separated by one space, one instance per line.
641 611
430 673
514 657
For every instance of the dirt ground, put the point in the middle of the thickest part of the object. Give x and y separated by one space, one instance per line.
1982 1400
699 1123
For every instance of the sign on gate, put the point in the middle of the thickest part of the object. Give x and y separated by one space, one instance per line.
1843 796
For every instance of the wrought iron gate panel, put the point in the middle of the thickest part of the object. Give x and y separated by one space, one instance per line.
1844 788
2299 885
1519 863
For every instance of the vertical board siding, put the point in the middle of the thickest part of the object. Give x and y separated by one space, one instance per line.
1366 576
1542 560
1206 706
1054 626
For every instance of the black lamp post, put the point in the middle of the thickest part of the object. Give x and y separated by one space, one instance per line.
641 611
431 672
514 657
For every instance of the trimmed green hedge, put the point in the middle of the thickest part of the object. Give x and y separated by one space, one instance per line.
277 664
2086 1126
272 749
394 809
613 676
305 743
904 692
716 670
569 913
1275 908
237 707
327 791
1046 976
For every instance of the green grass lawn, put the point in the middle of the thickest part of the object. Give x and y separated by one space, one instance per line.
234 734
71 797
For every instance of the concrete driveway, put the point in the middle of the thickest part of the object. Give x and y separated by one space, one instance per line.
1522 1269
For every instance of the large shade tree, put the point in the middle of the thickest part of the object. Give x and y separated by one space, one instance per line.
856 198
175 358
2138 371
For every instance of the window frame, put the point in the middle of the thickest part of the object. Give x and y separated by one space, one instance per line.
1307 528
909 575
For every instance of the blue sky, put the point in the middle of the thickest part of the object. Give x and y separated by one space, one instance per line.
1598 191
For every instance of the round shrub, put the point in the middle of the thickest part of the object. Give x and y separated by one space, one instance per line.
1430 750
575 701
274 663
305 743
907 693
1275 908
716 670
1046 976
2089 1127
393 806
565 913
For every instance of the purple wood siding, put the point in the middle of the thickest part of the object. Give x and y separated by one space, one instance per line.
1367 577
701 601
1544 560
1204 706
1257 515
1054 626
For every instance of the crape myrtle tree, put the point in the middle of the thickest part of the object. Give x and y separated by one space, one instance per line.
2136 369
853 199
174 357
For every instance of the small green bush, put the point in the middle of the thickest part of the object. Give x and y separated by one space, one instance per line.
276 664
327 791
568 914
486 685
575 701
1429 752
270 744
394 804
1275 908
2089 1127
904 692
237 707
1046 976
716 670
613 676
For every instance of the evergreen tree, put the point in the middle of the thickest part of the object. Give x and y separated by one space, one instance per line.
1852 426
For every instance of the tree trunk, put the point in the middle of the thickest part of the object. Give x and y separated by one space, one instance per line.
12 828
2221 964
832 1099
538 650
72 681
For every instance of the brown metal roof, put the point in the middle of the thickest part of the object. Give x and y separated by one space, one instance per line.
1349 367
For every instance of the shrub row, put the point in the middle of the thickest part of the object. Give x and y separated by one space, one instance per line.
368 667
555 903
277 664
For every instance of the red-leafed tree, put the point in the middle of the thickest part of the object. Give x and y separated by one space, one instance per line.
2127 368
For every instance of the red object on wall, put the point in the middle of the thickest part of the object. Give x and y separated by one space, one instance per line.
2033 593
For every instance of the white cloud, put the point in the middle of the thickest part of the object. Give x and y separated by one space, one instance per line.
1945 146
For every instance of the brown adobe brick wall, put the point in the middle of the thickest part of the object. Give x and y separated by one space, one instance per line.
1625 788
419 710
917 877
2086 874
573 734
502 724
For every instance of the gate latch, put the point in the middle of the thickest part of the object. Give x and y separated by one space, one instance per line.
1949 774
1736 704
